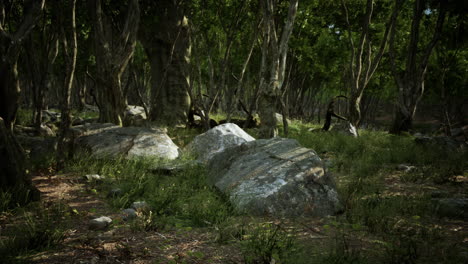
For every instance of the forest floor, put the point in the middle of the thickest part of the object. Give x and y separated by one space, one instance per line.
389 214
120 243
123 243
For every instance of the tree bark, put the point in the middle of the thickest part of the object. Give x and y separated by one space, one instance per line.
12 165
167 46
70 52
410 81
363 63
274 56
112 56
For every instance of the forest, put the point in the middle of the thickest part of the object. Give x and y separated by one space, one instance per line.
234 131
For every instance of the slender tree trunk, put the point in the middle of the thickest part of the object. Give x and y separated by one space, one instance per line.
70 51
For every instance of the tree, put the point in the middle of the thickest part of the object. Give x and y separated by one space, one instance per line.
166 41
114 48
410 80
69 42
41 52
363 63
273 65
12 156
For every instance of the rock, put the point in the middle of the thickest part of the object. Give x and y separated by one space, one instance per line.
94 177
134 116
45 131
130 142
128 214
91 108
139 205
88 129
50 116
40 148
279 119
406 168
274 177
116 192
314 130
170 169
451 207
345 128
454 132
439 194
216 140
443 142
78 121
100 223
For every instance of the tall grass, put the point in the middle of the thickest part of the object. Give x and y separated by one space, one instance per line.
182 198
41 228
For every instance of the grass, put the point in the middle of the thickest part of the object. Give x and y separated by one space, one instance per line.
182 199
388 214
404 228
42 228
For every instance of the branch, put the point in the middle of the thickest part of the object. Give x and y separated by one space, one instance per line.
414 35
362 41
29 21
350 37
389 35
435 37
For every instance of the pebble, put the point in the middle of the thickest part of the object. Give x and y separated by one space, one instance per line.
139 205
128 214
100 223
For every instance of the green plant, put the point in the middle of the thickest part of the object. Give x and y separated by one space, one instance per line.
40 228
24 116
265 243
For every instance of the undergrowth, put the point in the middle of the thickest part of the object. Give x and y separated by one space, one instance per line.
377 226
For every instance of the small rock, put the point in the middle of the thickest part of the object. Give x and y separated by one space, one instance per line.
45 131
438 194
78 121
454 132
314 129
328 163
451 207
100 223
406 168
94 177
116 192
345 128
139 205
128 214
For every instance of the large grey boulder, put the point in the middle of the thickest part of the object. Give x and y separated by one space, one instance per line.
274 177
216 140
131 142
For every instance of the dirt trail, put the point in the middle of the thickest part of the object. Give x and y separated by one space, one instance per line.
120 243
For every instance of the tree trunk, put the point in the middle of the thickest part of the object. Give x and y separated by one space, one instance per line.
167 46
410 82
112 56
274 56
363 63
70 63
